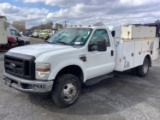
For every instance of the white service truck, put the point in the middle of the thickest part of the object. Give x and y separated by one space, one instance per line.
3 33
79 55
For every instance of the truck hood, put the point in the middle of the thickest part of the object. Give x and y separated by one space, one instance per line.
38 49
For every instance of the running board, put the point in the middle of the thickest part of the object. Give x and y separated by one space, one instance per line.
98 79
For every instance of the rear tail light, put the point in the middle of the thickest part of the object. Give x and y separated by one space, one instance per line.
11 39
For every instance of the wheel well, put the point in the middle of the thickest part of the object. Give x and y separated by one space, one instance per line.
149 58
72 69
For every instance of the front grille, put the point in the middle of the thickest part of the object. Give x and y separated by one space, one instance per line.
20 65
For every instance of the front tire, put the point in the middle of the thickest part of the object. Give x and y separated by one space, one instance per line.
66 90
143 69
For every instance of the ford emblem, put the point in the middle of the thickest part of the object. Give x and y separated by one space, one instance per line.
12 66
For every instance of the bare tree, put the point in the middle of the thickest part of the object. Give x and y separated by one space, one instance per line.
19 27
99 24
58 26
157 21
43 26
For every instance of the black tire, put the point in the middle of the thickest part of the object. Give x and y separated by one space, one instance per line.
9 43
143 69
66 90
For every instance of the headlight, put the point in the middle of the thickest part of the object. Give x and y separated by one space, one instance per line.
42 71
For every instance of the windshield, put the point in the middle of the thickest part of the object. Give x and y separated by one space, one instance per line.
71 36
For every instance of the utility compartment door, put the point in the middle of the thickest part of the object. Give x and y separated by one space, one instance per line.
125 54
155 48
138 53
128 55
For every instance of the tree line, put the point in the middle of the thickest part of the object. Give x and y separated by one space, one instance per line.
48 25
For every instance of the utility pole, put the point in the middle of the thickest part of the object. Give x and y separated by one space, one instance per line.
41 24
65 23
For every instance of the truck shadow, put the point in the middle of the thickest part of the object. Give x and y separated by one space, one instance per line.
109 96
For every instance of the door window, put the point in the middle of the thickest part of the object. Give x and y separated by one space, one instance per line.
100 34
14 32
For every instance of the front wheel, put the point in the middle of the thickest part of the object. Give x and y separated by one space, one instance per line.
66 90
143 69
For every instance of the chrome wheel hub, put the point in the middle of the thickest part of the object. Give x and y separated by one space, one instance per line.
69 91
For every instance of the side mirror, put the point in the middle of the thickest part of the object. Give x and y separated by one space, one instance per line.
91 47
101 45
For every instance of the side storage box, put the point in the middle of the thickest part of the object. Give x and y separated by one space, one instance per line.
137 32
131 53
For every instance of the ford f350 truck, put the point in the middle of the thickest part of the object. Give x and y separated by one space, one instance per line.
79 55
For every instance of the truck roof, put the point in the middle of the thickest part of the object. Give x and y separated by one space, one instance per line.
93 27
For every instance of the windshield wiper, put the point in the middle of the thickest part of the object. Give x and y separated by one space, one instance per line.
47 42
61 42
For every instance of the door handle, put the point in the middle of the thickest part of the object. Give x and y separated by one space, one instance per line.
112 53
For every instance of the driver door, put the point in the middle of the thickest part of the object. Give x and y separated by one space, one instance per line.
100 62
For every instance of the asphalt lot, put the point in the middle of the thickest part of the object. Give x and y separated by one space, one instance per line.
125 97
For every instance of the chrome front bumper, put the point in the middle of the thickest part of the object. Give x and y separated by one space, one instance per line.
32 86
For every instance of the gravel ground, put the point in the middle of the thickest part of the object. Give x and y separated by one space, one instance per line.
125 97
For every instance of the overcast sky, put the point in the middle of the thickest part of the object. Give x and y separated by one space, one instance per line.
85 12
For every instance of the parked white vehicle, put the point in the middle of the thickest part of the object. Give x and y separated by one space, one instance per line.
36 33
3 26
13 33
75 56
52 32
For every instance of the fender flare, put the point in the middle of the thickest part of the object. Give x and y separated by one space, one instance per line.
59 67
